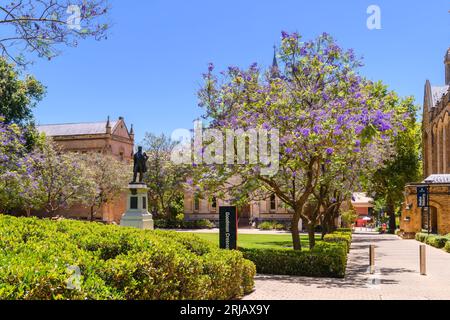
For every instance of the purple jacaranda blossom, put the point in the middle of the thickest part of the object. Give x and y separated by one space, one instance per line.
289 150
330 151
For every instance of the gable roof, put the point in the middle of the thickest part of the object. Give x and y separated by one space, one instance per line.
73 129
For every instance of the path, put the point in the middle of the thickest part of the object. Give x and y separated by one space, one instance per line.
397 276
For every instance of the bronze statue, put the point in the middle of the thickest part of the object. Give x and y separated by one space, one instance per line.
140 165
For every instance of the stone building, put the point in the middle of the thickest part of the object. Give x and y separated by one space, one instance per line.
436 164
271 209
105 137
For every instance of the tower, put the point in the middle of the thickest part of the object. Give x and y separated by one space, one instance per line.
447 67
274 70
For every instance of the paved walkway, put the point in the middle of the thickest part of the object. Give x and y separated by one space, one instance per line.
397 275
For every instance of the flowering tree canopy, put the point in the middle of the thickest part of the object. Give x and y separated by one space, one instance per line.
332 122
43 26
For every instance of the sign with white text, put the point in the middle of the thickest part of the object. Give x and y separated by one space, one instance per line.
228 228
422 197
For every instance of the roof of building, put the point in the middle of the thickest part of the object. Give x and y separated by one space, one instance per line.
361 198
73 129
438 178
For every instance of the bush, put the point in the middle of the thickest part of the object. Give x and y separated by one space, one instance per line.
198 224
339 237
422 237
447 246
273 225
436 241
37 258
266 225
325 260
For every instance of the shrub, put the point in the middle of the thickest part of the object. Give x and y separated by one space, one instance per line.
422 237
339 237
198 224
273 225
266 225
436 241
447 246
114 262
325 260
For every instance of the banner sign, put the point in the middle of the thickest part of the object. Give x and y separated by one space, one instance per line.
228 228
422 197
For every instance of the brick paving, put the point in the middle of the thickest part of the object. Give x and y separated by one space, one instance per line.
397 275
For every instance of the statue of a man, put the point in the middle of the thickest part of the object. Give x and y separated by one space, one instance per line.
140 165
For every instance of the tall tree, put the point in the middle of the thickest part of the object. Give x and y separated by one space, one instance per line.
320 106
109 176
43 26
17 96
164 179
389 182
58 180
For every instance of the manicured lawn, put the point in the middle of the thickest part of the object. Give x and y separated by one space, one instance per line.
267 241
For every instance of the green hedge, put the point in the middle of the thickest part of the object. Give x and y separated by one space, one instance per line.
272 225
447 246
325 260
433 240
115 263
173 224
340 237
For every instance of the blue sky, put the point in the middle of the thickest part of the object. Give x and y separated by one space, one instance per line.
150 68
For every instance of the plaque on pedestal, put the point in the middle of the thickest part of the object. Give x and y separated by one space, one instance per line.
137 214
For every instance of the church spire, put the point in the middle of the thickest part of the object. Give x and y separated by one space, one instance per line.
274 70
447 67
274 62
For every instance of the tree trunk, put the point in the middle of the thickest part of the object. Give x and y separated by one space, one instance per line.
92 213
295 233
391 214
28 211
311 235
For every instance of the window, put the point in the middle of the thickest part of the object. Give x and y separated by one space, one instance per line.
196 202
273 203
214 204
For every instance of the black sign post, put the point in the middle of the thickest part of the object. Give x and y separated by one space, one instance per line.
423 201
228 228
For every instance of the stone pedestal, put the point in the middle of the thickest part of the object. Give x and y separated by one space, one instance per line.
137 214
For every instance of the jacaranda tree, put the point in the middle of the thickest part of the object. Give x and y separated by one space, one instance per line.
43 27
329 118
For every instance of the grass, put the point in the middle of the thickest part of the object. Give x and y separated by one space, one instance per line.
263 241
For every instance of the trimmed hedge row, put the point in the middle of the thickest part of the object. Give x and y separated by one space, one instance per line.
326 259
195 224
37 259
441 242
340 237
